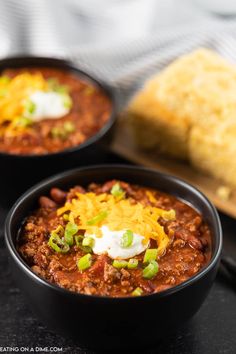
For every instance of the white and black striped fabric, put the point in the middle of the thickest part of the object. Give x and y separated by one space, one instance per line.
119 41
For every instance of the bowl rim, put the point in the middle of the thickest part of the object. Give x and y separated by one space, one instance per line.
60 176
70 66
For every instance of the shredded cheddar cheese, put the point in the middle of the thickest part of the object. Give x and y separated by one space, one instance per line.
117 214
165 214
14 93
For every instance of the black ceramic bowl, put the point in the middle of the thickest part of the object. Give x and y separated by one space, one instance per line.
104 322
29 169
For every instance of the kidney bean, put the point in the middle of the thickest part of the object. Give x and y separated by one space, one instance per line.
195 243
58 195
47 203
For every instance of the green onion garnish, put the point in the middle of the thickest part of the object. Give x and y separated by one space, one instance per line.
78 242
117 191
67 101
62 89
88 241
57 244
59 231
78 239
70 230
69 127
119 263
84 262
22 122
55 86
30 107
85 249
137 292
127 239
98 218
150 270
52 82
58 132
150 255
62 132
133 263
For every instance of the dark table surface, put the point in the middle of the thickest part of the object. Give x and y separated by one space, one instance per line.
212 330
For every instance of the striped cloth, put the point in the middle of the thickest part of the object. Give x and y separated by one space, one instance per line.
119 41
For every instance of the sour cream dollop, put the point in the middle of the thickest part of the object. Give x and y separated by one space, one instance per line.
49 105
110 243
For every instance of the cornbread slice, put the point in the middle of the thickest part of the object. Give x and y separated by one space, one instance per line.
155 125
214 152
189 111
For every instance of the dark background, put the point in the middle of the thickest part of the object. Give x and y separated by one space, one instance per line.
212 330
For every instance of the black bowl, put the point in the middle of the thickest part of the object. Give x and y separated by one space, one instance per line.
29 169
96 321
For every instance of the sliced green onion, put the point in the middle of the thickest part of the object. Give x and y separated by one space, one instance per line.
137 292
61 89
78 242
69 127
67 101
70 230
98 218
150 255
133 263
59 231
86 249
78 239
150 270
52 82
22 122
57 132
84 262
54 85
88 241
57 244
62 132
117 191
119 263
127 239
30 107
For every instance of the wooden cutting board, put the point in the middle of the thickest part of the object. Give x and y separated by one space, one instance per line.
124 145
